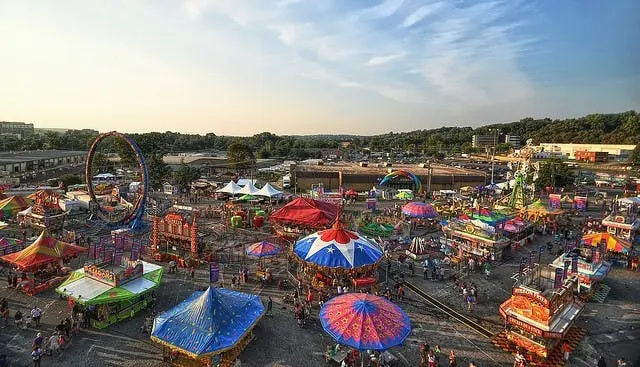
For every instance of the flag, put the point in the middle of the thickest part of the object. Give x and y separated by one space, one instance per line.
557 281
91 254
214 272
574 263
566 268
532 258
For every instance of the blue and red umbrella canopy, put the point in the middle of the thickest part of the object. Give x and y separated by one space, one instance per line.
263 249
338 248
418 209
364 321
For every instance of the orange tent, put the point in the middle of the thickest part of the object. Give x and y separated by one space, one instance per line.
614 244
45 250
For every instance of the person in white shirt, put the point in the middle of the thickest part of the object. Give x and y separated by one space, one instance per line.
36 313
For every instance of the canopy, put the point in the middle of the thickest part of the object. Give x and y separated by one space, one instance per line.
246 197
614 243
25 212
88 291
249 188
208 322
377 230
364 321
351 192
268 191
45 250
418 209
11 206
306 211
263 249
4 225
9 245
403 195
338 248
230 188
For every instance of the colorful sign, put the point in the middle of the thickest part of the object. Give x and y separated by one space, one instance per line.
565 272
580 203
574 263
536 296
557 280
214 272
555 201
532 258
597 256
524 326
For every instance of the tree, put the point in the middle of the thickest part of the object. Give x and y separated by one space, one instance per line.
185 175
158 171
634 159
240 155
554 173
68 180
100 163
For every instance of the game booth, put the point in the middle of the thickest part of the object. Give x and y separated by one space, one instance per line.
302 216
42 263
175 237
335 256
470 237
210 328
113 291
623 226
588 263
540 315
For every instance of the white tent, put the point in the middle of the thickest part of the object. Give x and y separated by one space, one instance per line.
268 191
249 188
230 188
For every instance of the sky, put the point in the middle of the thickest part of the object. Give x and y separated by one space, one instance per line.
241 67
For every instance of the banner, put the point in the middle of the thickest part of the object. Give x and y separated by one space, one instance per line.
523 265
597 257
214 272
532 258
134 254
118 256
100 252
580 203
541 250
108 255
555 201
557 281
574 263
565 272
91 254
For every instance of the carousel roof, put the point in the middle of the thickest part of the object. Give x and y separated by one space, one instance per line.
338 248
11 206
208 322
419 209
45 250
306 211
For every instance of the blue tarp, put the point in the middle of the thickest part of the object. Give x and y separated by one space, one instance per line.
208 322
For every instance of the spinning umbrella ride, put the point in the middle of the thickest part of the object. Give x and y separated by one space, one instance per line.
263 249
365 322
418 209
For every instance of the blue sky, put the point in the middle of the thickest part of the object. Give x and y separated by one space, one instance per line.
314 66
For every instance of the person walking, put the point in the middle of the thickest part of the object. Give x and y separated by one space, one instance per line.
36 355
400 293
602 362
269 307
622 363
469 302
473 364
36 313
452 359
18 319
566 349
436 352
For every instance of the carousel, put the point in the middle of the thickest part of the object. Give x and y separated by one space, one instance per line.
42 263
336 257
210 328
302 216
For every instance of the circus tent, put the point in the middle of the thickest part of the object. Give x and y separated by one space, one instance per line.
45 250
305 211
209 322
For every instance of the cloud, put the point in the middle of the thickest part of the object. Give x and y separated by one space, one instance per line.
421 13
466 54
381 60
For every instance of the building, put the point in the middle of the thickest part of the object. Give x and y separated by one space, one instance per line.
616 152
587 156
19 129
210 165
513 140
353 176
479 141
18 163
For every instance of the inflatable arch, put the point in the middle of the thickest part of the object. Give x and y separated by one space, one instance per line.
401 172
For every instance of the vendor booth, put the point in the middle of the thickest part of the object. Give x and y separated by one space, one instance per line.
588 264
111 293
210 328
42 263
175 237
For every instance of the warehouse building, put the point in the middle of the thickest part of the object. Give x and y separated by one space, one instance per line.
17 163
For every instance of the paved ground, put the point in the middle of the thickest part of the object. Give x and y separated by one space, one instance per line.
612 326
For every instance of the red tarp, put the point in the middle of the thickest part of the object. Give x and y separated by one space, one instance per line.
45 250
305 211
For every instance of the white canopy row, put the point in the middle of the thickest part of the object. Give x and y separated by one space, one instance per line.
233 189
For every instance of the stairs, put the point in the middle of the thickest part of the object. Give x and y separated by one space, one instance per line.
601 293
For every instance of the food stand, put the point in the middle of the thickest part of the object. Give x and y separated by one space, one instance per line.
590 265
112 293
474 238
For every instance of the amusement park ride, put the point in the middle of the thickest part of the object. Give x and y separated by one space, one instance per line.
518 198
132 218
